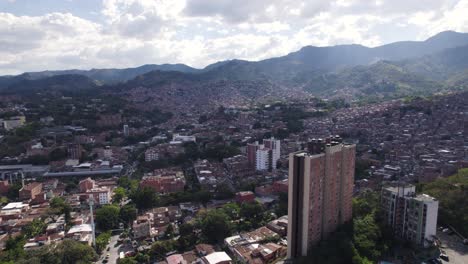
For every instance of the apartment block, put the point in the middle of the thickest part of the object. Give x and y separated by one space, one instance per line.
321 182
412 217
264 156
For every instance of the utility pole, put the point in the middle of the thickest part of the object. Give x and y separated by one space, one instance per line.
91 204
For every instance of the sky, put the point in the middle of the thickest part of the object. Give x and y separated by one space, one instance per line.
38 35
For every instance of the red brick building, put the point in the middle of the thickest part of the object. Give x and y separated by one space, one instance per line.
30 191
321 183
164 184
242 197
4 187
87 184
280 186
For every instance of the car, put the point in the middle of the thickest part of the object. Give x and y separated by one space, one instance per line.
465 241
108 248
105 261
445 230
108 255
444 257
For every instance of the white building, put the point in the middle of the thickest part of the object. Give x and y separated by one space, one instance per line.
412 217
217 258
151 154
180 138
104 197
275 146
126 130
266 155
14 122
263 161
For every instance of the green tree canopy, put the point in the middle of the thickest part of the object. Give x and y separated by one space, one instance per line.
119 194
215 226
107 217
145 198
128 213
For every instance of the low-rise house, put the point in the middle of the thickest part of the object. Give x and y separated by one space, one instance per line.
217 258
30 191
81 233
245 197
141 230
165 181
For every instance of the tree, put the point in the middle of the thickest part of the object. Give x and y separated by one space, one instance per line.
102 240
186 229
282 208
159 249
251 211
169 233
215 226
202 119
119 194
366 233
127 261
13 249
58 206
107 217
71 252
202 196
128 213
191 150
145 198
224 191
57 154
13 191
232 210
36 227
124 182
142 258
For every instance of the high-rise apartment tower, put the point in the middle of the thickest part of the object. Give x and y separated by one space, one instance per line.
321 181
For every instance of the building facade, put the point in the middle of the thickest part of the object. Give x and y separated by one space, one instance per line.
264 156
151 154
412 217
320 192
30 191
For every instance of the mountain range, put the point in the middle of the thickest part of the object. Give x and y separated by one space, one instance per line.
437 64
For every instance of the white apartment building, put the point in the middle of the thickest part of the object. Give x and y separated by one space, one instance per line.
151 154
181 138
13 122
264 156
262 159
412 217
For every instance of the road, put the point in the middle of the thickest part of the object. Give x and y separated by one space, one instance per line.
454 248
114 251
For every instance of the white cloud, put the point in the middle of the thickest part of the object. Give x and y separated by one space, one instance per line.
199 32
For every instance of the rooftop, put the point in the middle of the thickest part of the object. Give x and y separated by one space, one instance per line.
217 257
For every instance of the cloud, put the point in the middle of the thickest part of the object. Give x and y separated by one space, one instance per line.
199 32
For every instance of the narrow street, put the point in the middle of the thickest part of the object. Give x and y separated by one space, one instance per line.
114 251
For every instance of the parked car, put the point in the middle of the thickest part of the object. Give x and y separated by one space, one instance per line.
444 257
465 241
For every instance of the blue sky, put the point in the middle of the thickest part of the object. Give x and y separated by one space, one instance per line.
40 35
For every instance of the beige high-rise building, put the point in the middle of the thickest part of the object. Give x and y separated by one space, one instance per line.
321 181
